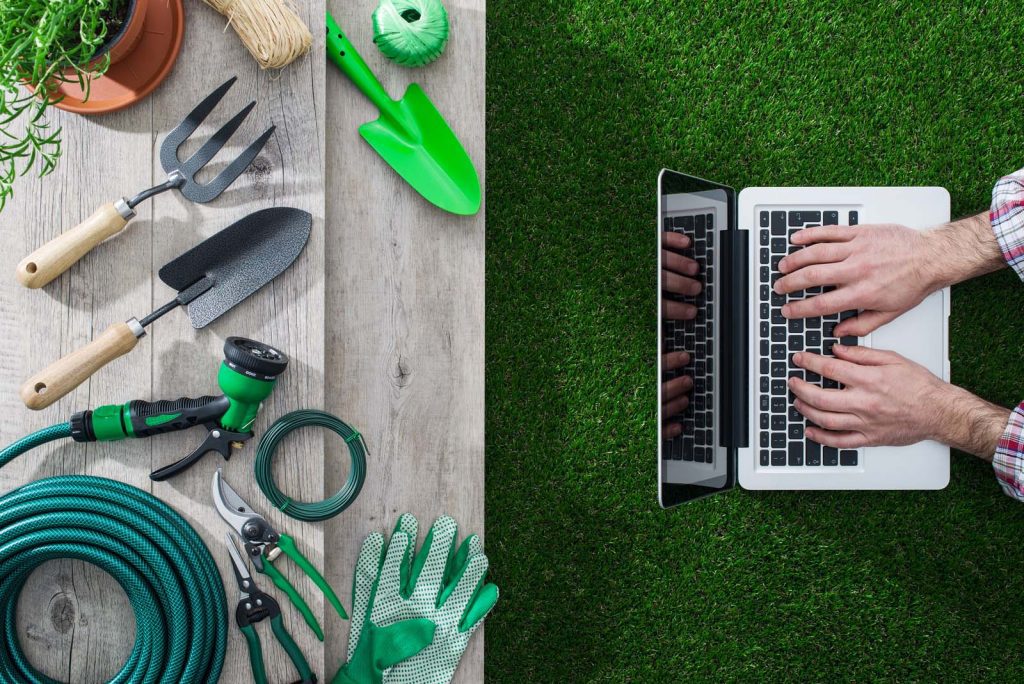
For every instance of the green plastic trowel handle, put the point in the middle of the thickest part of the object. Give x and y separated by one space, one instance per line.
344 54
287 544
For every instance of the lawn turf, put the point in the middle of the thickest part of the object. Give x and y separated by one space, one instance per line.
586 102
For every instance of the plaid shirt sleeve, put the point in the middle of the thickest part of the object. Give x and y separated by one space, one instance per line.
1007 218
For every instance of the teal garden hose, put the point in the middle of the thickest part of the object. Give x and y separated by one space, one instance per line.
322 510
158 559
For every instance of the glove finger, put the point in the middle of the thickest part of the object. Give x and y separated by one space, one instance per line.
363 584
407 523
467 549
401 641
456 599
390 583
483 602
431 562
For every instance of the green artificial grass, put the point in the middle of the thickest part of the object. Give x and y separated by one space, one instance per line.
587 101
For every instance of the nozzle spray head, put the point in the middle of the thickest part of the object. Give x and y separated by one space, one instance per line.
247 377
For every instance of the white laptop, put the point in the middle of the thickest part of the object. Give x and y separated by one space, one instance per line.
740 425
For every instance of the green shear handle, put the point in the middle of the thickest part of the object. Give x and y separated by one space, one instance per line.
287 545
285 639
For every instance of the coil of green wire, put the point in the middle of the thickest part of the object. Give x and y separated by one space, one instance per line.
321 510
158 559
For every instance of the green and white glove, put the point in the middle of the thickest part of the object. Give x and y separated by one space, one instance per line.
439 584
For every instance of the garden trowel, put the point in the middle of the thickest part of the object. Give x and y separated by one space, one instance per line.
411 135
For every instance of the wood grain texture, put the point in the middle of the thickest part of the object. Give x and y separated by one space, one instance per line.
405 297
74 620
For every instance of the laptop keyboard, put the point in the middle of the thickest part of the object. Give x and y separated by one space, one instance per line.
781 433
696 336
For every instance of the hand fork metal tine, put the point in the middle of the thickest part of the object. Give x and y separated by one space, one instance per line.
212 146
188 126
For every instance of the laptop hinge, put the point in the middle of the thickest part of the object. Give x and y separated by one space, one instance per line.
735 338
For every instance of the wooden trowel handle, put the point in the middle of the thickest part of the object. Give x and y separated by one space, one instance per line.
52 383
60 253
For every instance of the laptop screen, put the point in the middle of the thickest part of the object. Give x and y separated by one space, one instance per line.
692 215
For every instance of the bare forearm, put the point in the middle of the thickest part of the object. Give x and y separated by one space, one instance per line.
969 423
963 249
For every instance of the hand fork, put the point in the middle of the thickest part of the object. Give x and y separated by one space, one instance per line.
58 255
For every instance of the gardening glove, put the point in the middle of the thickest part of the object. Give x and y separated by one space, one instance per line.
441 584
373 649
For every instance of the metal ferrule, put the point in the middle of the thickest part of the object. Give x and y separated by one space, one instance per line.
136 327
123 208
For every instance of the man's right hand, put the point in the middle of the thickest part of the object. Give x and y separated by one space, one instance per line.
884 270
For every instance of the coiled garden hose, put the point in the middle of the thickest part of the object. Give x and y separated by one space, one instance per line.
157 558
328 508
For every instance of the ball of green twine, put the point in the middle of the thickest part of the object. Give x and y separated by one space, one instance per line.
411 32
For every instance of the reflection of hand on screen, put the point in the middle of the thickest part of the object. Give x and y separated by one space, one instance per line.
677 277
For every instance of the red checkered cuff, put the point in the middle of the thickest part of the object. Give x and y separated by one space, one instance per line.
1008 461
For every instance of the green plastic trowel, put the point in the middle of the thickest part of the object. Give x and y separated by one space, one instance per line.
411 135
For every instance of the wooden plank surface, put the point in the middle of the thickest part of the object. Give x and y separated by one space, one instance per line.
405 302
75 620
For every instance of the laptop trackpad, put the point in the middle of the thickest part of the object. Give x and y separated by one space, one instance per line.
916 334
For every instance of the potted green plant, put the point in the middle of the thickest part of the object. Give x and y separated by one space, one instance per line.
44 43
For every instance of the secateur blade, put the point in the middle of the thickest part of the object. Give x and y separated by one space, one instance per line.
237 261
184 172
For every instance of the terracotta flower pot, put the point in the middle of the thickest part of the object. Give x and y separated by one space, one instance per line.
124 41
142 54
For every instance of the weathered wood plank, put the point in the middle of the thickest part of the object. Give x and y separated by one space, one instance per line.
405 296
76 619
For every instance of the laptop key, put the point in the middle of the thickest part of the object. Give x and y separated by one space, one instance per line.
853 218
796 431
778 222
764 421
778 404
778 457
778 387
796 343
848 341
778 333
778 440
830 218
778 352
765 219
796 453
813 453
778 370
796 325
848 457
779 246
765 457
778 422
830 456
764 237
813 338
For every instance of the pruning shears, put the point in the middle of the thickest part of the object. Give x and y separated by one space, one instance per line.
254 606
264 544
